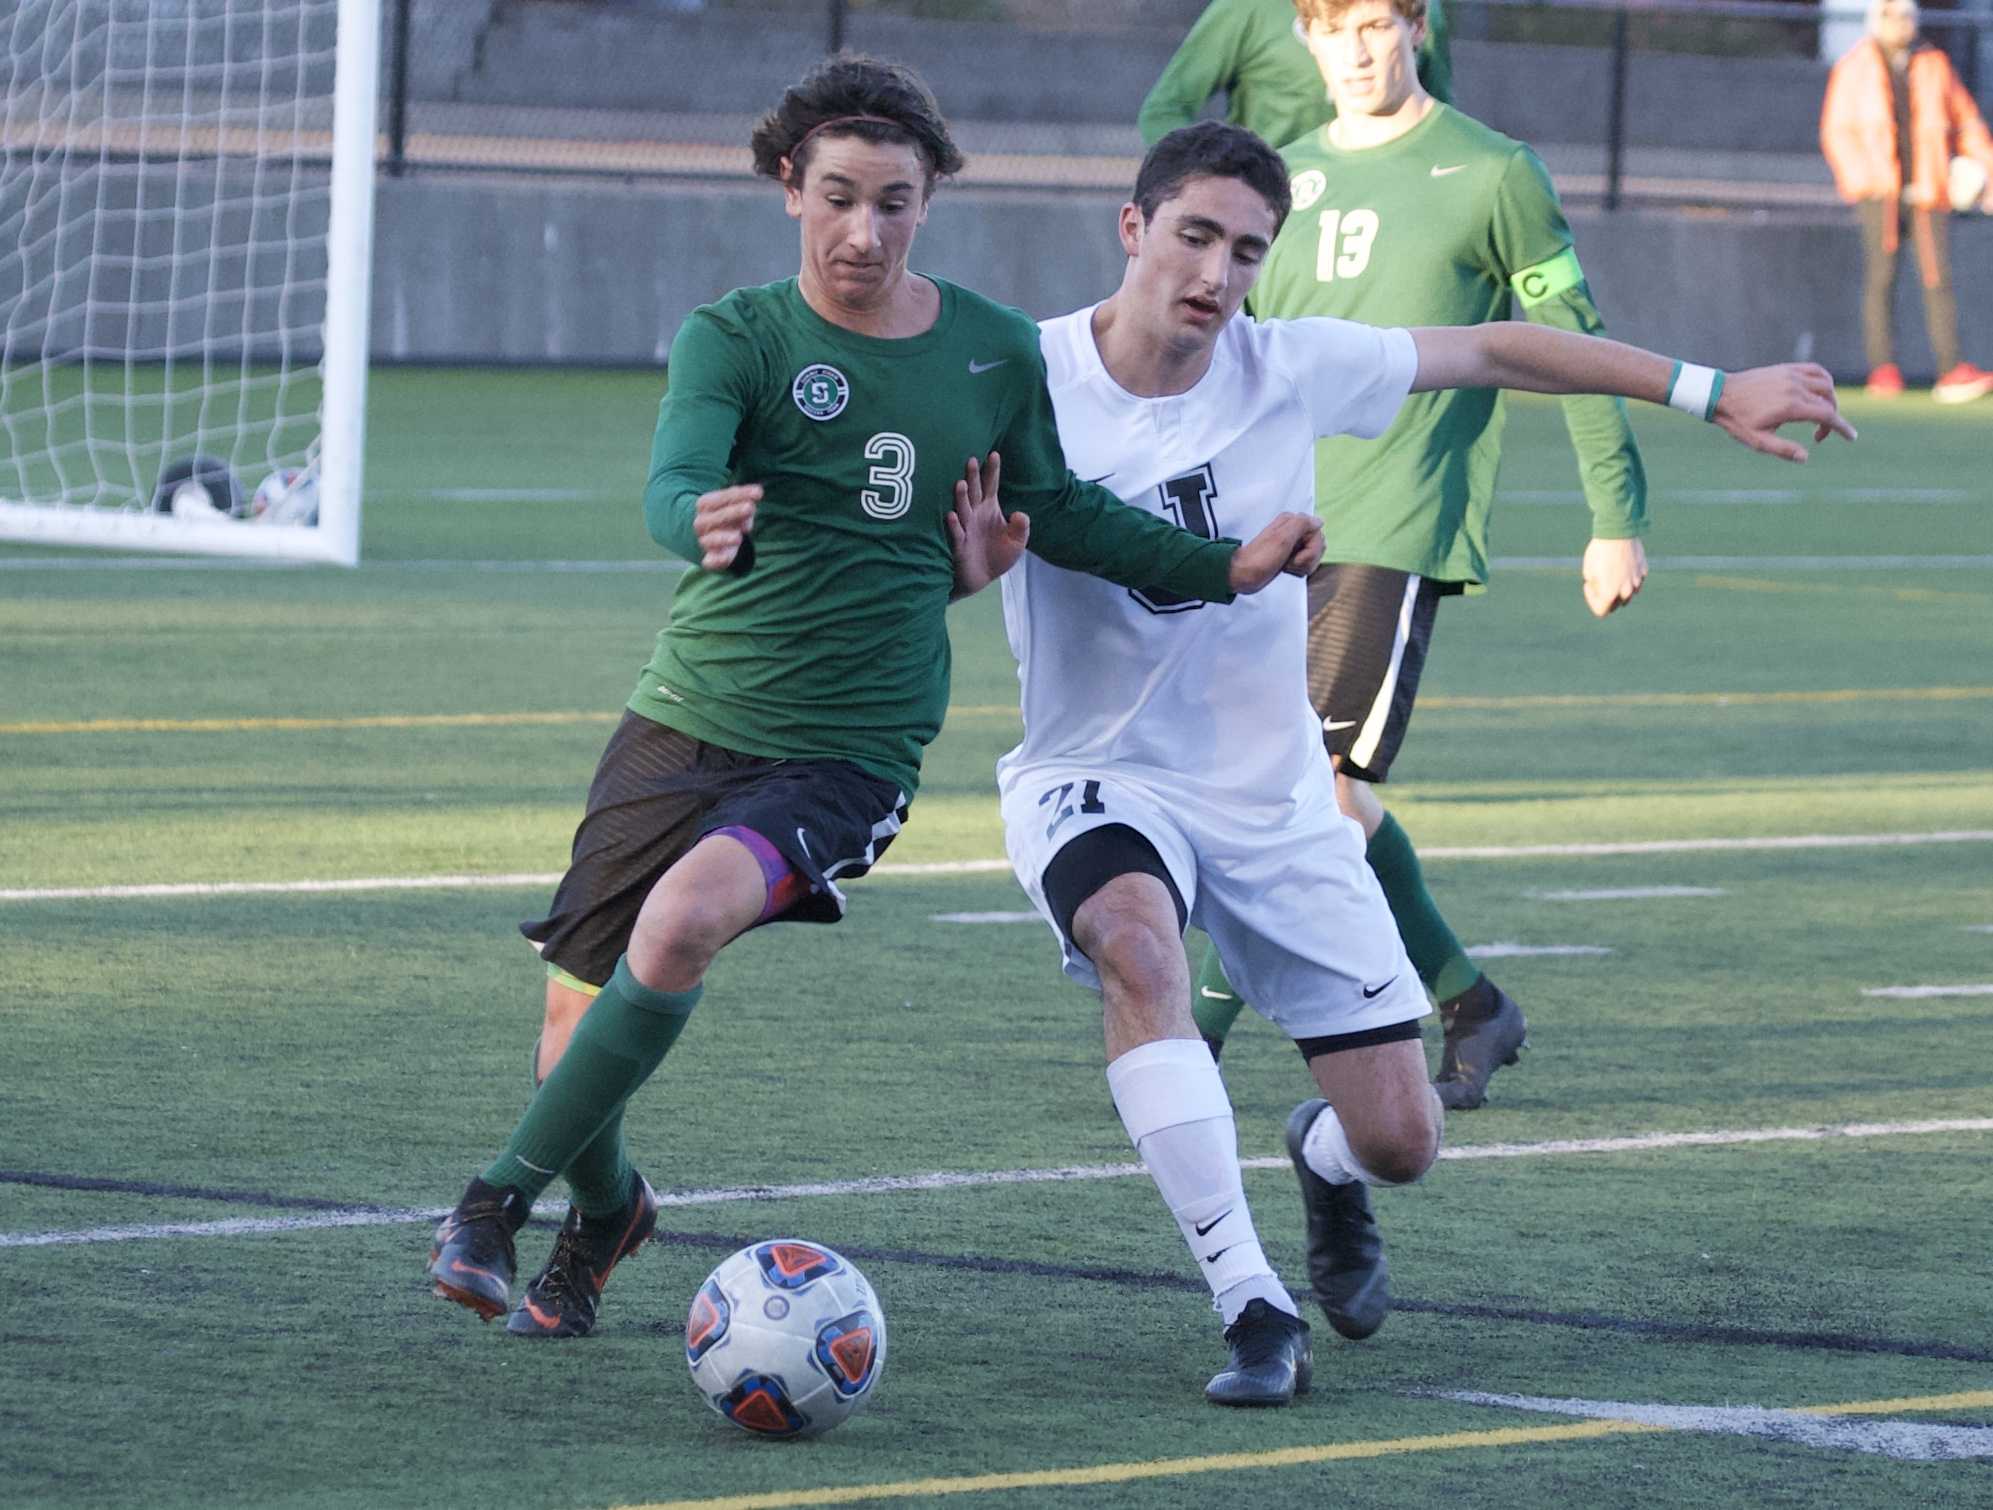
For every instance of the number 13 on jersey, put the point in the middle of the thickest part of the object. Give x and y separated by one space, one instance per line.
1344 248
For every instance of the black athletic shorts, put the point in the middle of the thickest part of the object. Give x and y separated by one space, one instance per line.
657 792
1088 862
1368 628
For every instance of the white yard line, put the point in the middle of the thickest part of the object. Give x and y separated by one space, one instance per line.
1919 993
986 867
1908 1441
984 917
1954 562
1764 563
1701 846
1676 496
274 888
965 1180
1532 951
435 564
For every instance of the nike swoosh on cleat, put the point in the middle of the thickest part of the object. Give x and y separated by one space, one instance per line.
1206 1228
458 1266
977 369
1439 172
542 1317
1370 995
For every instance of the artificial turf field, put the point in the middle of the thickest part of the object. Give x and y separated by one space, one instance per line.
223 1112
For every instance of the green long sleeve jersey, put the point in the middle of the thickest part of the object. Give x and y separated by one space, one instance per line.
832 643
1439 227
1252 52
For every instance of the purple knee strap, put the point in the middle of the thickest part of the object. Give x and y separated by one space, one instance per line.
786 884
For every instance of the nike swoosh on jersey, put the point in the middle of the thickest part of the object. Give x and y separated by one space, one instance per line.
1331 725
977 369
1439 172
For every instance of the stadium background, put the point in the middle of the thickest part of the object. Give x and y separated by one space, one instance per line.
562 180
1719 170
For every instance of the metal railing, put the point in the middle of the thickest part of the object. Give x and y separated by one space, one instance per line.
1755 63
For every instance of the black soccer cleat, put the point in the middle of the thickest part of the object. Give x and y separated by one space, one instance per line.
1272 1359
1484 1031
563 1298
1346 1263
472 1261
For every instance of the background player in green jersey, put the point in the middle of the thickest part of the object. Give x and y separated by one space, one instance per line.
1253 53
1407 212
805 459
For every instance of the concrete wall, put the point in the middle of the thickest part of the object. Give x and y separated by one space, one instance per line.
486 269
551 272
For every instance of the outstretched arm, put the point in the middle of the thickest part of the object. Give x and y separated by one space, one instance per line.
1750 405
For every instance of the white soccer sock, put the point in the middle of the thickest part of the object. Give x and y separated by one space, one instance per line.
1326 1150
1173 1103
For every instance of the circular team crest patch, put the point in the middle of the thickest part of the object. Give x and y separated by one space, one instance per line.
821 391
1308 187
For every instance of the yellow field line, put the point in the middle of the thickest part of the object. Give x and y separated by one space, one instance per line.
1902 594
1284 1457
1979 1399
1122 1473
989 710
258 725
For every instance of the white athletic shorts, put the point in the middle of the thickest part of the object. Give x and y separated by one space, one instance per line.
1284 891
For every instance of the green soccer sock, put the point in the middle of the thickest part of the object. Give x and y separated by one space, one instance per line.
620 1041
601 1177
1436 954
1213 1002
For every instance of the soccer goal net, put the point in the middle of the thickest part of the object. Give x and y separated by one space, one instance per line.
186 220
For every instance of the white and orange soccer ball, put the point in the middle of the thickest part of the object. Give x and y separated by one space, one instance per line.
288 495
786 1339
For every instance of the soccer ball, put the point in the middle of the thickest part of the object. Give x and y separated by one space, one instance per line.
288 495
786 1339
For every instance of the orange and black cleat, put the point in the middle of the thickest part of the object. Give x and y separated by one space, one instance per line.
472 1262
563 1298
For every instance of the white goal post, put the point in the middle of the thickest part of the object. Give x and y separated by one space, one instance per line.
186 233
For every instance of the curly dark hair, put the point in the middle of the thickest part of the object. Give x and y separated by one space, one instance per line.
1333 10
849 94
1212 149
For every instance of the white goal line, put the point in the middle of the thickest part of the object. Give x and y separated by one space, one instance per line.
971 1179
889 870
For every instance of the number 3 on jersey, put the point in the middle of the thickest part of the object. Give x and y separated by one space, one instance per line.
891 493
1344 250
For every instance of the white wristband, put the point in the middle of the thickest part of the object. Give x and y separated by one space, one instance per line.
1695 390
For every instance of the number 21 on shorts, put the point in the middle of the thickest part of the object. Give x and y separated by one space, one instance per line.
1062 809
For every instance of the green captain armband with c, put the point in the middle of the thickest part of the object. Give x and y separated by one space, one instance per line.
1548 278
